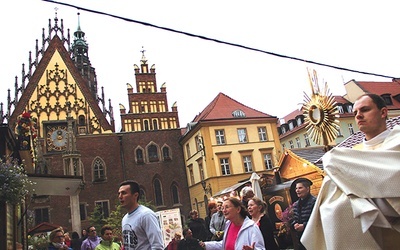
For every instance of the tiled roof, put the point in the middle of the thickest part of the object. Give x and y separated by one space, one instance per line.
294 130
311 154
222 107
287 118
380 88
290 116
341 99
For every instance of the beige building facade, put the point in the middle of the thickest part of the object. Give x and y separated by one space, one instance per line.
224 145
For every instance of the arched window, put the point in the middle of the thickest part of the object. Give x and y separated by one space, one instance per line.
146 125
139 155
81 120
175 194
155 124
166 154
152 152
158 192
99 170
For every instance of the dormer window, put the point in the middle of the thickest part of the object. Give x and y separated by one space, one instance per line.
291 126
238 114
349 108
299 121
340 109
388 99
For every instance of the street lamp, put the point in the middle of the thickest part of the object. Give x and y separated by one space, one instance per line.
207 188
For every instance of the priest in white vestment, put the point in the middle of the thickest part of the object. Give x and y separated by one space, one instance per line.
358 206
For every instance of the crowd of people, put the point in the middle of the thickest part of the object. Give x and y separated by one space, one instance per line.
240 222
230 223
89 240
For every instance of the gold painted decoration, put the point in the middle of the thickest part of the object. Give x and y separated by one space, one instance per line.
320 113
26 132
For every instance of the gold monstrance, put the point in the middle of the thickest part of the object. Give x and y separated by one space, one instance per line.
320 113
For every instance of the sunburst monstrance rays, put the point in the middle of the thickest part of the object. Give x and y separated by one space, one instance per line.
320 114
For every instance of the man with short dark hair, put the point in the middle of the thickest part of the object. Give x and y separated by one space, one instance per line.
140 227
91 242
358 206
302 208
107 242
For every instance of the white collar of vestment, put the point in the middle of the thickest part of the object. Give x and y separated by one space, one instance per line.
372 143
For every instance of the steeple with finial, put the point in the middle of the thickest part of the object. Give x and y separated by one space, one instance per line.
80 56
143 60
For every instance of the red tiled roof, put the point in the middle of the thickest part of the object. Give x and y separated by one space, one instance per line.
341 99
294 130
380 88
290 116
223 106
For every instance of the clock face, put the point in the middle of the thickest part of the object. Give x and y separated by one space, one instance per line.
56 138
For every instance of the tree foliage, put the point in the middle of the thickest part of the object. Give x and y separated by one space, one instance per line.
96 218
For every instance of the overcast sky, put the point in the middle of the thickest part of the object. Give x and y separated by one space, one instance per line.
359 35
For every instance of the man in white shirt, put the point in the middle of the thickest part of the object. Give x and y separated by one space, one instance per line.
140 227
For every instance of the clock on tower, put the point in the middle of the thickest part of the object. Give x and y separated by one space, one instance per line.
56 137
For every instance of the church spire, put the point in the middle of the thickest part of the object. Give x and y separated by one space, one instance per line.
80 56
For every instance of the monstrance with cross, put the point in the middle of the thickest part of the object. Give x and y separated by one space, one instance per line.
320 113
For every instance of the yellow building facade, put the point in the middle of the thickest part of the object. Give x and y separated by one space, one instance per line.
224 145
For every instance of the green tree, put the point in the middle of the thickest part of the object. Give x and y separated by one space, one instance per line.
96 218
115 218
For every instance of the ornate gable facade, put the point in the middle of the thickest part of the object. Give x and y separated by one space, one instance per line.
77 159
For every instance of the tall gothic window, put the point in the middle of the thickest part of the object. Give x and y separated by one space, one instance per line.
175 194
99 171
166 154
158 192
152 152
139 155
146 125
155 124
